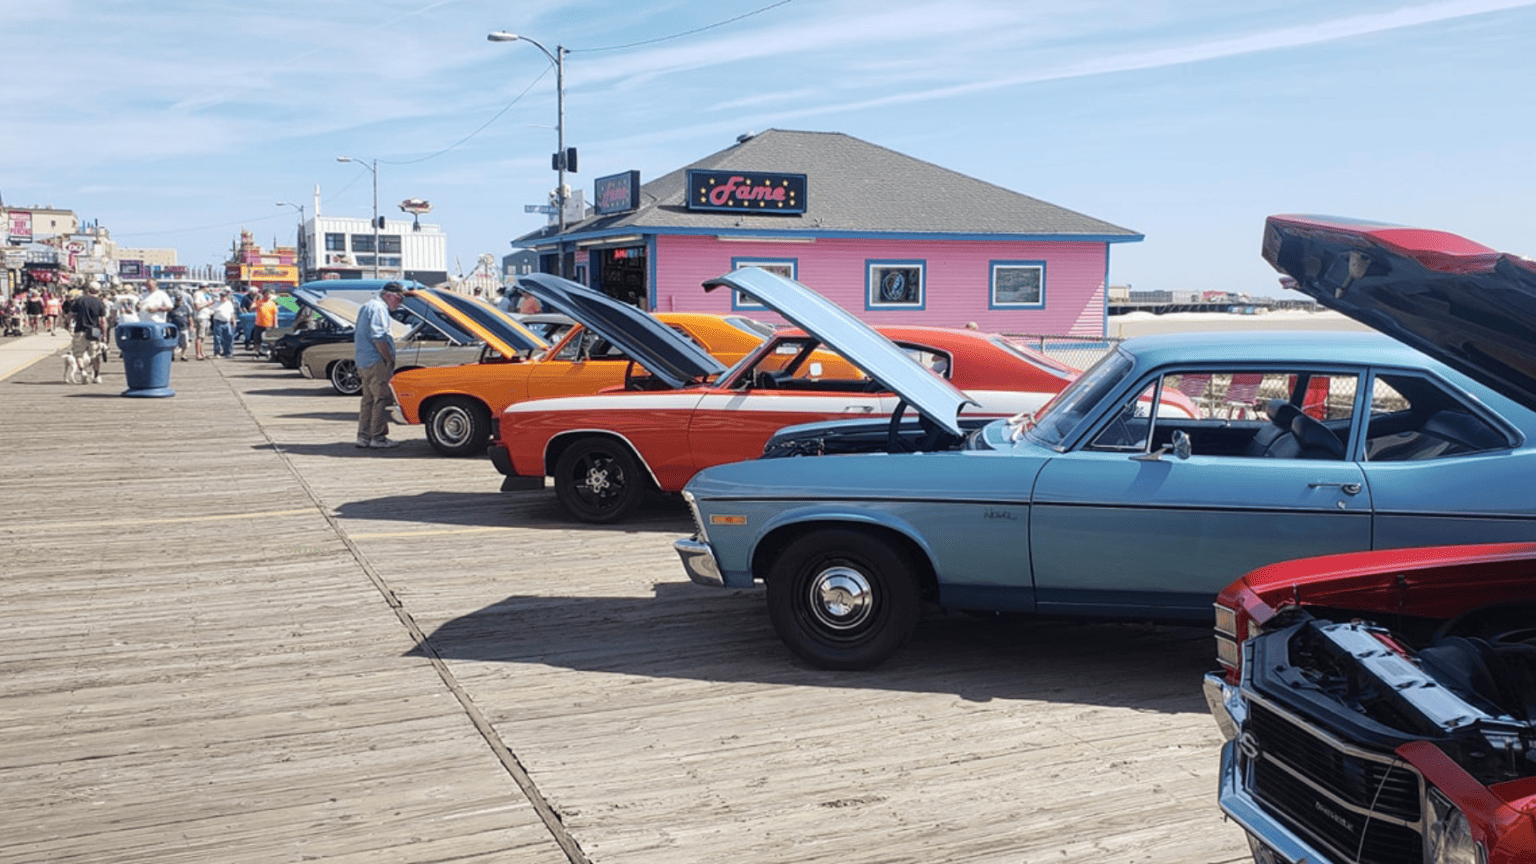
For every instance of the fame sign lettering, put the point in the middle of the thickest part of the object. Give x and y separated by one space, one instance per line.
747 191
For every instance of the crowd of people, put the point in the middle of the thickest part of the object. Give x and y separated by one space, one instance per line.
89 310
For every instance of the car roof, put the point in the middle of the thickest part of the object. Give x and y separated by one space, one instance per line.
1279 346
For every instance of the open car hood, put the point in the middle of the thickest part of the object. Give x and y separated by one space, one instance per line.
1464 304
312 298
484 322
877 356
663 351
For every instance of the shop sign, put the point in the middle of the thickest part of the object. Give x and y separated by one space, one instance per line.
750 191
616 193
18 223
261 273
130 269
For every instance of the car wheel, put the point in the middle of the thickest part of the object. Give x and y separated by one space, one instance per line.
599 480
841 599
345 378
458 426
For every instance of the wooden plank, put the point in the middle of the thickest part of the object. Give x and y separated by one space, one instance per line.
208 605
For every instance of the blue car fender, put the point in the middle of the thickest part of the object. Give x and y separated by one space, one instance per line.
822 514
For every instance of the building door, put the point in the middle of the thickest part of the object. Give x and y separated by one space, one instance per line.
622 275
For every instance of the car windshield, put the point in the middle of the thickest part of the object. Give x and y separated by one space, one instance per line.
1033 357
1066 412
760 329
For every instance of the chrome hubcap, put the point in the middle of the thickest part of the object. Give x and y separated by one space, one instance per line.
841 598
452 425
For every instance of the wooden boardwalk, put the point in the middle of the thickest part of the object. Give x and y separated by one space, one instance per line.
228 635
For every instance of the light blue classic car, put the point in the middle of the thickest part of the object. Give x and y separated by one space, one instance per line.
1167 469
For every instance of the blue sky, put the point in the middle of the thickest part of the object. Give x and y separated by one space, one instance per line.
176 124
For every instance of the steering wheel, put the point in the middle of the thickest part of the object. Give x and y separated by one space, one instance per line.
933 433
764 380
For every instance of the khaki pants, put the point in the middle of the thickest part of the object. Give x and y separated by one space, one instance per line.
373 413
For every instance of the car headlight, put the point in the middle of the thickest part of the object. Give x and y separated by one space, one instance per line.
1448 838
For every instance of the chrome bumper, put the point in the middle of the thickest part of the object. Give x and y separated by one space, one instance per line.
699 561
1269 840
304 371
396 416
1226 705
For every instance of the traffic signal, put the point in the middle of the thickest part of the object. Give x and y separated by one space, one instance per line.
570 160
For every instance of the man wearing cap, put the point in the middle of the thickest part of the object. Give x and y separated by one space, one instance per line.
374 350
224 314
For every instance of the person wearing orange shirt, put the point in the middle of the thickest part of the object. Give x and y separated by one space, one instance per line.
266 316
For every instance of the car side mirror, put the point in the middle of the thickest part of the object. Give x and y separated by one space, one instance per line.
1180 447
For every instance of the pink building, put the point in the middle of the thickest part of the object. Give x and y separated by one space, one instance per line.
893 239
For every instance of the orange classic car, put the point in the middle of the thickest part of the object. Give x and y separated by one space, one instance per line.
457 403
605 452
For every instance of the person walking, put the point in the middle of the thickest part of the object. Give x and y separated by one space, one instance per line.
180 316
156 304
374 352
90 314
202 318
53 304
34 309
223 316
266 318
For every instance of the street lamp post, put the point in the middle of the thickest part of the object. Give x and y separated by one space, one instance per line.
374 170
302 256
557 58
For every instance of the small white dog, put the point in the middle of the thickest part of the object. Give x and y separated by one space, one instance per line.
73 373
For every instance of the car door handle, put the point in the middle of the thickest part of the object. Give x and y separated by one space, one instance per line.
1346 488
858 409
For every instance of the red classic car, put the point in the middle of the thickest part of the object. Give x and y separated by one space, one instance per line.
1381 706
606 451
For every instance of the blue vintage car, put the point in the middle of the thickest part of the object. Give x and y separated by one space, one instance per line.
1170 467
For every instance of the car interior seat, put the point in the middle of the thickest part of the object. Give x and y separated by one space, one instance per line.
1274 440
1317 441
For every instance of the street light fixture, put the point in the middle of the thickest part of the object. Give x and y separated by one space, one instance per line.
374 170
563 155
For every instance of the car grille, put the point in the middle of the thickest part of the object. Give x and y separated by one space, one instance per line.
1326 792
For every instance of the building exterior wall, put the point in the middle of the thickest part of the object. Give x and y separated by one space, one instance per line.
421 252
957 276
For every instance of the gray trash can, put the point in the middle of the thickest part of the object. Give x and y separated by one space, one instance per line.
147 348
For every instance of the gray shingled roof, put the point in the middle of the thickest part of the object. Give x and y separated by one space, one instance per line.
853 187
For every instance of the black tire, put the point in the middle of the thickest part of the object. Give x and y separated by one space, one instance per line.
345 379
840 598
599 480
458 426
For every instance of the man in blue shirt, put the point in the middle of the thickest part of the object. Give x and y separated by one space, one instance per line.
374 348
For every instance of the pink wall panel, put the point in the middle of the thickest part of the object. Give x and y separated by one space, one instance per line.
957 274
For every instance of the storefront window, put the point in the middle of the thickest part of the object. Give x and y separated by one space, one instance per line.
1018 284
389 243
335 242
362 242
786 267
894 285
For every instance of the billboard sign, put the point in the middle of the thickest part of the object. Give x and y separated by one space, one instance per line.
757 192
616 193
